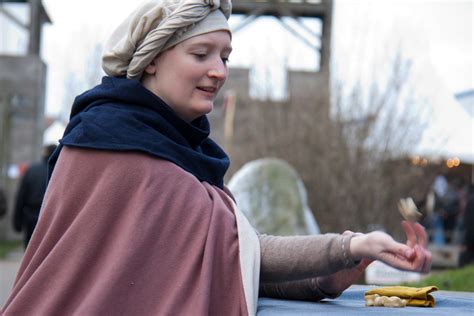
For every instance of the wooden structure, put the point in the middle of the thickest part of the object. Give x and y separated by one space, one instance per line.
295 9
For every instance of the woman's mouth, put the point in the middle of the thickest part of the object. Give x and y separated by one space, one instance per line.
210 90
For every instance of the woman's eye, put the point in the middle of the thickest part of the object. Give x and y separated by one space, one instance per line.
199 56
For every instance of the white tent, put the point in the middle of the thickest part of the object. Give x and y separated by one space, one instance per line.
54 133
449 130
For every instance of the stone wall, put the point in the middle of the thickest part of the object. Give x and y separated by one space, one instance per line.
22 99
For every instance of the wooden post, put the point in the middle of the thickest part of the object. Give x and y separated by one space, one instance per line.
229 108
35 28
5 117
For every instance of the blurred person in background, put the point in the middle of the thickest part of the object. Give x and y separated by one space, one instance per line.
467 254
3 202
30 195
451 209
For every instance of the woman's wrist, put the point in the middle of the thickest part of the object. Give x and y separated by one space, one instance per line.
356 247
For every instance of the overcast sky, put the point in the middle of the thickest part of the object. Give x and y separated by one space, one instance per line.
436 34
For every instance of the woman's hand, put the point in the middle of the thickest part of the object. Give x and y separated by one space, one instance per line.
412 256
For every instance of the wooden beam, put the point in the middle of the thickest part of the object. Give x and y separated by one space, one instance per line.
34 42
13 18
295 33
250 17
301 8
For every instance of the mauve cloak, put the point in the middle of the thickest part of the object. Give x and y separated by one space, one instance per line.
130 234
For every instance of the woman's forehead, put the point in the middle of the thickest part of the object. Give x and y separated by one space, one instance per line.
221 39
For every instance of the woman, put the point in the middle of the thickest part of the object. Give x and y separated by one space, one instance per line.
137 220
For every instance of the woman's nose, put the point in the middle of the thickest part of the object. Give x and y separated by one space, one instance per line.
218 71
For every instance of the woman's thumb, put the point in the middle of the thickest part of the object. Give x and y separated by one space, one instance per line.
406 252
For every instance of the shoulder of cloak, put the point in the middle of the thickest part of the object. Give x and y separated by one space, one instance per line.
112 188
102 208
119 175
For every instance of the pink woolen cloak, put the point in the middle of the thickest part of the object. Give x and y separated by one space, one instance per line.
130 234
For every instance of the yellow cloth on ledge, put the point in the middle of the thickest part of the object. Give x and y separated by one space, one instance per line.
416 296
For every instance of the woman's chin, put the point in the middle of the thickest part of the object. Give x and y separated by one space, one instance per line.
204 108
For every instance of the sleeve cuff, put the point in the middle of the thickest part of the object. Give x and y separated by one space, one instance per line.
349 261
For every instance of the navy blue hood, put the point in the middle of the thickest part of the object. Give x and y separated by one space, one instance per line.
121 114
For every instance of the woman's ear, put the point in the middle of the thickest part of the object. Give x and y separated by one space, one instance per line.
151 68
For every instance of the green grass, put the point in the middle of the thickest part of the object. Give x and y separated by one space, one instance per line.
461 279
6 246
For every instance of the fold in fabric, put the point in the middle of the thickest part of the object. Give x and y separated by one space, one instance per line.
415 296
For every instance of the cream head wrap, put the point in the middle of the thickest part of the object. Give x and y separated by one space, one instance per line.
157 25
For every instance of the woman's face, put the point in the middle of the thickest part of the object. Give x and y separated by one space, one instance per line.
189 75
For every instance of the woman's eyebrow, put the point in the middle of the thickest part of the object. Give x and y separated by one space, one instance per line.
227 49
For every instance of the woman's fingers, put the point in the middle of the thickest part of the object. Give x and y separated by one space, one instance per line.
428 261
416 234
410 232
412 256
423 251
420 234
403 256
414 264
420 259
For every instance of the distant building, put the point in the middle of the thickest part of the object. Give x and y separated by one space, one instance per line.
466 98
22 92
54 130
14 39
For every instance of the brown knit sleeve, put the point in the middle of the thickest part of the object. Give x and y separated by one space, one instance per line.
290 265
306 290
302 257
